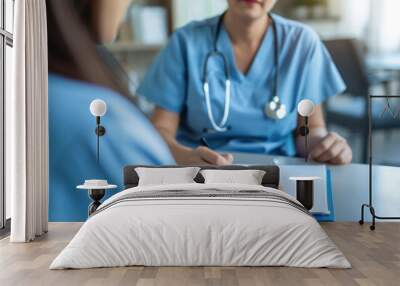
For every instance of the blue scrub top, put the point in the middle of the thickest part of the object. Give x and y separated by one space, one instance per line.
130 139
175 83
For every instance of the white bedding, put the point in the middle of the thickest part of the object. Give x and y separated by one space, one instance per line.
202 231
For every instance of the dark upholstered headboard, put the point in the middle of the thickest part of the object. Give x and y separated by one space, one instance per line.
271 177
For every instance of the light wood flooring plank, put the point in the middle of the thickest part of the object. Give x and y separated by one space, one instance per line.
375 257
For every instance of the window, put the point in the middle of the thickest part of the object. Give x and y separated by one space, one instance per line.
6 44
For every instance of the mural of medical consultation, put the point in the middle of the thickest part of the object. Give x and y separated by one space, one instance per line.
214 133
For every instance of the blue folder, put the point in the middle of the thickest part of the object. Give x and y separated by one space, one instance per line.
328 217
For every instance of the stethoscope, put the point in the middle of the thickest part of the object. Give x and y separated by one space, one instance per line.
273 109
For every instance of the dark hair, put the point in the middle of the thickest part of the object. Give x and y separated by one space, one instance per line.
72 47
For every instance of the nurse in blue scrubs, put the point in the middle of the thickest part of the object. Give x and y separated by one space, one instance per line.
267 57
79 74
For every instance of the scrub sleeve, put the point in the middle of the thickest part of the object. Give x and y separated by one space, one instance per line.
165 84
322 78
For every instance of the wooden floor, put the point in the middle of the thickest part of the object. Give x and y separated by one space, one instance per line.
375 257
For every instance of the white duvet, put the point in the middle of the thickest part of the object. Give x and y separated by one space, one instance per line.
202 231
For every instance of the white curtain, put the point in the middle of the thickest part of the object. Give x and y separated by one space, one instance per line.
27 124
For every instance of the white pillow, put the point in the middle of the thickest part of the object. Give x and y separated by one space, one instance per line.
166 176
247 177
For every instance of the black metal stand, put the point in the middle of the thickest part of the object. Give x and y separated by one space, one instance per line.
304 131
370 203
100 131
307 131
96 196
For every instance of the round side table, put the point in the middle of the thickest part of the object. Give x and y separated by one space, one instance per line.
305 190
96 193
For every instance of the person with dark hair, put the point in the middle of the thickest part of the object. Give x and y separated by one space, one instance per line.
78 74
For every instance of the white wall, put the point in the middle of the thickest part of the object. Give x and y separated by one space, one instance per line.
185 11
385 22
354 17
376 22
350 18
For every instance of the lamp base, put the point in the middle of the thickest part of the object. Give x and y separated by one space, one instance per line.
96 195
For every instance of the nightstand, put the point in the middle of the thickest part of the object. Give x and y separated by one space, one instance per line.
96 190
305 190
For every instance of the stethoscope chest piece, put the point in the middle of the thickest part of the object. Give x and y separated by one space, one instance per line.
275 109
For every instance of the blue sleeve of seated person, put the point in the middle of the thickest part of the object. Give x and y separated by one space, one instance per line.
130 139
165 82
321 77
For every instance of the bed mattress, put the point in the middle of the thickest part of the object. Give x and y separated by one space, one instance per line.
201 225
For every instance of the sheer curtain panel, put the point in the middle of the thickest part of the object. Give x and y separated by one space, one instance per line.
27 124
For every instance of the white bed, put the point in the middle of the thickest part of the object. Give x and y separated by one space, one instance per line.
222 225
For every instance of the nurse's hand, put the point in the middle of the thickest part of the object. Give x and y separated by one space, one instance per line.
203 155
331 149
167 124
